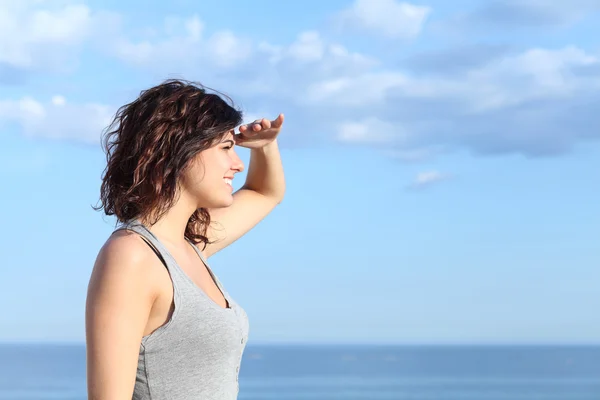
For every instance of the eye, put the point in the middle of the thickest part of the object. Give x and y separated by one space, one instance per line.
228 144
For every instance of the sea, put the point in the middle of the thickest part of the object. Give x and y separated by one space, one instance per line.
323 372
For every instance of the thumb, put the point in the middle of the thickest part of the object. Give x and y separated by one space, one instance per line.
278 122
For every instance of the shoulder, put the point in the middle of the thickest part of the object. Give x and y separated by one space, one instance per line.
127 247
125 251
125 261
121 295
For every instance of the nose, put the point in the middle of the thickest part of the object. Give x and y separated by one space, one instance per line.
237 164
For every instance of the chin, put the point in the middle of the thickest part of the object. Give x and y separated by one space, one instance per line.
228 203
224 202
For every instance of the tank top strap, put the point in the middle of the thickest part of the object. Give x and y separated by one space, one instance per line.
159 249
210 271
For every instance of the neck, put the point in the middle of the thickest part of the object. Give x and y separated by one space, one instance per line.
170 227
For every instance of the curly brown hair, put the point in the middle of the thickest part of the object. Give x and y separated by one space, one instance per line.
151 141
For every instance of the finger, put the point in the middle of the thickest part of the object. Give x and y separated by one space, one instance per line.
259 125
250 128
266 124
240 138
246 127
277 123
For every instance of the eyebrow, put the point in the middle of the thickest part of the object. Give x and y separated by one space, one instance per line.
229 140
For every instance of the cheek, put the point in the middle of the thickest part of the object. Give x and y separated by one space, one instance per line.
193 174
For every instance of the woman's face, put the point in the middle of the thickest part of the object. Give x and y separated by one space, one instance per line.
208 180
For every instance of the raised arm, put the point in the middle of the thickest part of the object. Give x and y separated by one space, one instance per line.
263 190
120 297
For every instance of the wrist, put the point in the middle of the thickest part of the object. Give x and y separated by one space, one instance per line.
267 148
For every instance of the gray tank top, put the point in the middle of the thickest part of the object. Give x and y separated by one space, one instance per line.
197 353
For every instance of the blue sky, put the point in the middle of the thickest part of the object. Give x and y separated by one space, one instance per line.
442 161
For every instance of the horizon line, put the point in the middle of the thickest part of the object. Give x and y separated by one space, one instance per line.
342 343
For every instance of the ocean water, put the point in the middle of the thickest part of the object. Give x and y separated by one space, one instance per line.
40 372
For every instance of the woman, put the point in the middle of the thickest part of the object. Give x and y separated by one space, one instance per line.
159 324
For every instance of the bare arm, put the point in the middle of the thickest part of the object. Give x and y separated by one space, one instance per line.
263 190
119 301
265 173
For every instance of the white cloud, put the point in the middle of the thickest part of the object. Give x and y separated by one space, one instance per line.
58 100
534 74
228 49
533 102
250 67
172 47
308 47
275 73
325 57
355 91
537 73
428 178
41 35
527 13
389 18
184 50
369 131
194 28
57 119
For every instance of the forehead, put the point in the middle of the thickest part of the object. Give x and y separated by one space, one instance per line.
228 136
